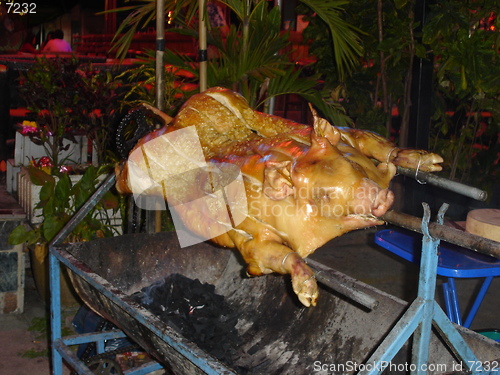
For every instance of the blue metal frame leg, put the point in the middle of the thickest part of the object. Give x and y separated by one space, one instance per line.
453 306
396 338
420 317
458 345
55 311
451 301
426 293
477 302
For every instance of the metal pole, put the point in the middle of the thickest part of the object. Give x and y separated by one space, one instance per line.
272 101
451 235
423 313
160 51
445 183
55 312
202 52
342 284
426 291
153 221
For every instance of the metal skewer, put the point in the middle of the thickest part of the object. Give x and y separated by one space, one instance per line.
445 183
341 283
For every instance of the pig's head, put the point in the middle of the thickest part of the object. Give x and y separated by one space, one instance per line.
328 182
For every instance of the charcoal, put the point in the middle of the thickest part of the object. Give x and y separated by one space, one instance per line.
197 312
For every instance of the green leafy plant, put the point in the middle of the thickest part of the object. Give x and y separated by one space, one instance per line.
47 90
40 327
249 58
462 41
183 13
139 85
98 105
466 119
67 99
381 82
60 198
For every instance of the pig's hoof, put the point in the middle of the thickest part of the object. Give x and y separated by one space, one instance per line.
303 281
307 291
418 159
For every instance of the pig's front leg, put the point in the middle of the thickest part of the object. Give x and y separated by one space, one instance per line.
381 149
267 256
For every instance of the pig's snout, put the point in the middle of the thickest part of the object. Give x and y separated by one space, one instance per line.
372 200
383 202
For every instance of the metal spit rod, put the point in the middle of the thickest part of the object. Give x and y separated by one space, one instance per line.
445 183
341 283
446 233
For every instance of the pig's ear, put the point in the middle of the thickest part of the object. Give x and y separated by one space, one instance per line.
277 180
323 128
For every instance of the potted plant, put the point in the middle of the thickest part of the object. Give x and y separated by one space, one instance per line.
66 100
59 199
49 91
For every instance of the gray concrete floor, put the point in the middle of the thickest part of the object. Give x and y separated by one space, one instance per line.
354 254
24 337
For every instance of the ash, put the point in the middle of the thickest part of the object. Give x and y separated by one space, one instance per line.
195 311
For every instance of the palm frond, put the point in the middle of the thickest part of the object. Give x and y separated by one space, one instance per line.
328 108
292 82
346 42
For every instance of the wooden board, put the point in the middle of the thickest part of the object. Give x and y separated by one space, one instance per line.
484 222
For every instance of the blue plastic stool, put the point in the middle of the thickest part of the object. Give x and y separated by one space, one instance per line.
454 262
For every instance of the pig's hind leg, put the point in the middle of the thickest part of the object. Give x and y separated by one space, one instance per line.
303 281
267 256
419 160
